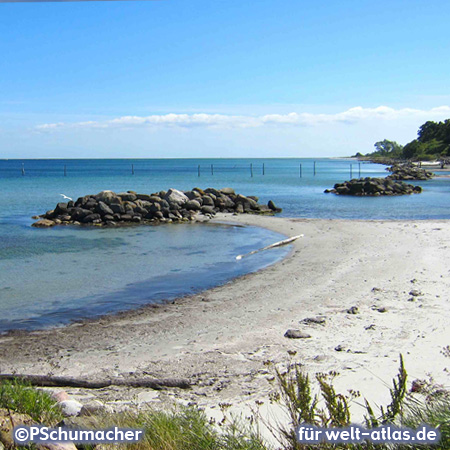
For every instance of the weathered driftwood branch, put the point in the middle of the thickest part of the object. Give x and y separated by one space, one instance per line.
43 380
277 244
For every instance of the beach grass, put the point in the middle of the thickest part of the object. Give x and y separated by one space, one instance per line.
182 429
21 397
188 428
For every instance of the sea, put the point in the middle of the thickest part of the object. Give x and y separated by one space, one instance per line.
52 277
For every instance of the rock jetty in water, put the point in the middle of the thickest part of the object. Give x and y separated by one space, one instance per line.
110 209
374 187
408 172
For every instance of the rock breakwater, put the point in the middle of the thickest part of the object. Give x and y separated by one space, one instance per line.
408 172
374 187
110 209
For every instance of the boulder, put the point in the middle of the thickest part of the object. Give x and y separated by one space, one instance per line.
208 210
145 197
227 191
44 223
127 196
175 197
192 205
61 209
108 197
103 209
117 209
141 211
271 205
207 201
91 218
374 187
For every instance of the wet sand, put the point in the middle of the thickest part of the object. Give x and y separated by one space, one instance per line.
220 339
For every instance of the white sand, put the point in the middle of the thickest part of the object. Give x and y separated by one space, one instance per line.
221 338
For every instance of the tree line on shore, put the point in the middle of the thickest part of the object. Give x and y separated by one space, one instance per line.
432 143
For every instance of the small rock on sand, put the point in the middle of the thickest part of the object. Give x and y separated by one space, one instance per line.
296 334
314 320
353 310
415 293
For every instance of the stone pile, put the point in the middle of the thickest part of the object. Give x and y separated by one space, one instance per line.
374 187
110 209
408 172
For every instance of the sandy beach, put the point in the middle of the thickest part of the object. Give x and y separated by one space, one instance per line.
221 338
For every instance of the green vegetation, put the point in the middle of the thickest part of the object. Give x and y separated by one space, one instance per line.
184 429
433 142
22 398
190 429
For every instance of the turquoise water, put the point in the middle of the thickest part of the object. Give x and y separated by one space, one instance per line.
51 277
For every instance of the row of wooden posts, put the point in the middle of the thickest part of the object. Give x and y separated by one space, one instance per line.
251 170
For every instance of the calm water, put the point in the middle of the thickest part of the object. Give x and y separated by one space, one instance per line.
50 277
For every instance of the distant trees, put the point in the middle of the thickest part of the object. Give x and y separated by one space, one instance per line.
433 142
388 148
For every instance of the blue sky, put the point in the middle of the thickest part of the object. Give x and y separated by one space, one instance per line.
193 78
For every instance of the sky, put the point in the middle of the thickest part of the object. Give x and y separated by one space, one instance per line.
219 78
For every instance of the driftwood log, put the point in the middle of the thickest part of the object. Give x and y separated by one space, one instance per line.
55 381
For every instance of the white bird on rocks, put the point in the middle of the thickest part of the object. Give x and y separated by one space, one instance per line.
65 197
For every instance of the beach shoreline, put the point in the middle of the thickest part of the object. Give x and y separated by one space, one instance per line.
220 339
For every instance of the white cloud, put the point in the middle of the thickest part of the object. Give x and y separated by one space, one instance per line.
203 120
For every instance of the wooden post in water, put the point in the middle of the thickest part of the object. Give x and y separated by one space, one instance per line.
251 170
132 169
300 170
65 170
314 168
212 169
264 169
198 170
23 169
359 168
351 171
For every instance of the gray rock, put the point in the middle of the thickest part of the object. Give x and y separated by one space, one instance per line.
192 205
314 320
79 213
61 209
140 210
208 201
296 334
273 207
176 197
108 197
103 209
227 191
239 208
127 196
118 209
213 191
353 310
145 197
91 218
208 210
